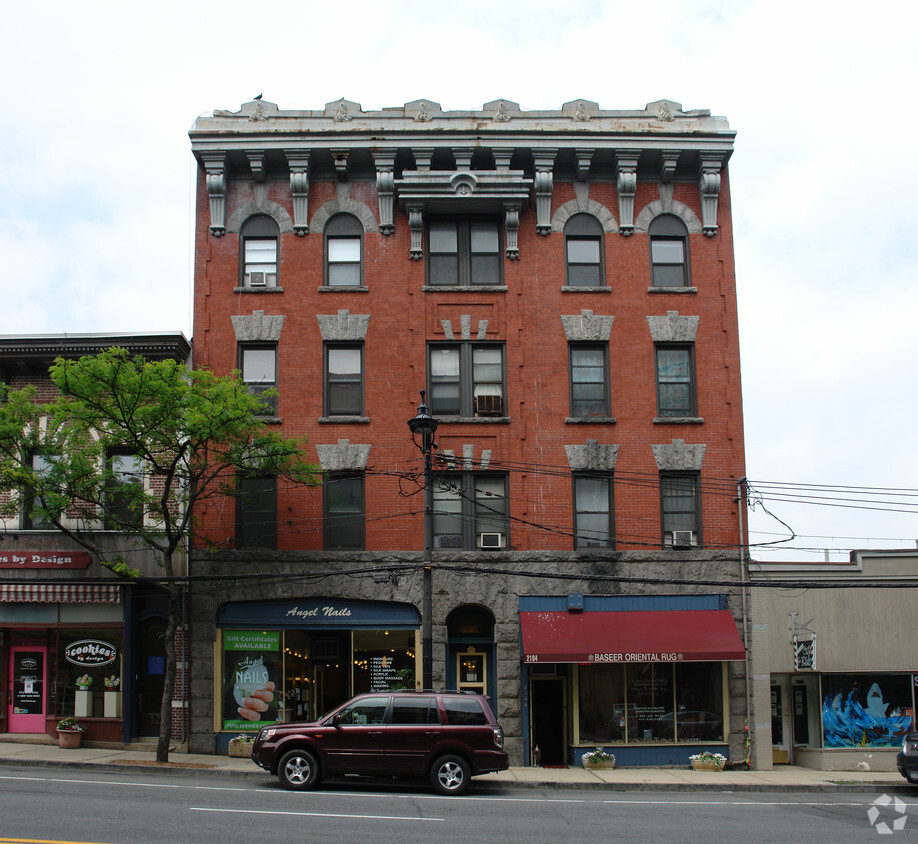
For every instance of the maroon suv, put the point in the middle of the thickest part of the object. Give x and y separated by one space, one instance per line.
446 737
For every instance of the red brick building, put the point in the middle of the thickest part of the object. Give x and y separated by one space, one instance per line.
561 284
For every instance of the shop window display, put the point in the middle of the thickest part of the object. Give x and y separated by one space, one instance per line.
651 702
86 664
298 675
867 710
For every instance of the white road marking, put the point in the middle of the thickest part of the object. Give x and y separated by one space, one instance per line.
314 814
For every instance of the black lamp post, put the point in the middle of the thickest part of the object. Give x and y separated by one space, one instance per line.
425 425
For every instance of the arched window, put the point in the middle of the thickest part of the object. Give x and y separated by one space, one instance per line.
344 251
583 251
669 259
258 239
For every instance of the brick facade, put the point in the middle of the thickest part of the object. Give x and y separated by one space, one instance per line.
580 160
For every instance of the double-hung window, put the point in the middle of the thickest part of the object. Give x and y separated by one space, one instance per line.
256 512
669 252
594 522
40 502
675 366
259 238
589 379
123 499
463 252
583 251
344 251
470 511
344 511
344 379
467 379
258 364
680 509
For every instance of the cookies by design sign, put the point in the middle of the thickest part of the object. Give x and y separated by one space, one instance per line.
45 560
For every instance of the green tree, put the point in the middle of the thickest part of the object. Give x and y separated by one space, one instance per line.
136 446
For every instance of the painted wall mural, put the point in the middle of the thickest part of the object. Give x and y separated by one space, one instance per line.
866 710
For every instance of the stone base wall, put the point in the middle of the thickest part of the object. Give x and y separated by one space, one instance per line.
494 581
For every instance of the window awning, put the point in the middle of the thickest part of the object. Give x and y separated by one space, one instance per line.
622 637
65 593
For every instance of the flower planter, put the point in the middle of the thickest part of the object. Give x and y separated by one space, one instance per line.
69 738
599 764
112 704
240 749
703 765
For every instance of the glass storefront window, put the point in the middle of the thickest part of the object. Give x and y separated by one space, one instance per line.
383 660
81 663
866 710
651 702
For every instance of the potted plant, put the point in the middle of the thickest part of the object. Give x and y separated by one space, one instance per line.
598 758
69 732
708 761
241 745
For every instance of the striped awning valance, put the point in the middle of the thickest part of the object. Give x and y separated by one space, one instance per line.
64 593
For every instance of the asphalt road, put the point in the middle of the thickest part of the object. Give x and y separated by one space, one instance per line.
53 805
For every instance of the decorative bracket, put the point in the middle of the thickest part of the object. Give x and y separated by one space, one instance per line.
584 158
256 163
626 161
544 161
416 224
668 161
709 167
512 229
299 187
385 189
340 158
422 157
215 180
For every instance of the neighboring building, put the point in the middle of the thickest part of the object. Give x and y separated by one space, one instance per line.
62 616
561 283
841 672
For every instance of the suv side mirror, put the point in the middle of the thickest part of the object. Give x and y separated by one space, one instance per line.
336 721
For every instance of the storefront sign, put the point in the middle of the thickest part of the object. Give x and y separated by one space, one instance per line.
45 560
90 653
314 613
251 674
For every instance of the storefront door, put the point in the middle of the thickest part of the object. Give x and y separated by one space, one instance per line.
28 676
780 723
548 720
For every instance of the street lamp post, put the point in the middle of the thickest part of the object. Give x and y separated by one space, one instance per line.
424 425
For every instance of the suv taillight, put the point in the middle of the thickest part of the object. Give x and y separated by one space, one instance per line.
499 737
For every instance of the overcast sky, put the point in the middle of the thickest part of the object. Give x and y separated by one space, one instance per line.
96 182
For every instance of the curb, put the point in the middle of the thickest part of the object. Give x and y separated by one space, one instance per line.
178 769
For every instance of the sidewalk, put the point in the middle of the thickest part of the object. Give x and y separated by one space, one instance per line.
783 778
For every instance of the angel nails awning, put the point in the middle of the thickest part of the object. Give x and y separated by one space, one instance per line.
64 593
619 637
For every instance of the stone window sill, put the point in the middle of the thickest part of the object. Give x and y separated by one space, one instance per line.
344 420
678 420
589 420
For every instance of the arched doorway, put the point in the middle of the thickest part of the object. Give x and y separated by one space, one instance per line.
470 661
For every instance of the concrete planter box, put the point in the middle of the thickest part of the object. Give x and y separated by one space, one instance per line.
699 765
240 749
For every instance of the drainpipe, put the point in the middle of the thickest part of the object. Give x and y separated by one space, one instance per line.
744 578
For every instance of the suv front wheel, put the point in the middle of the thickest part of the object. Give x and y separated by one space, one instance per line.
450 775
298 770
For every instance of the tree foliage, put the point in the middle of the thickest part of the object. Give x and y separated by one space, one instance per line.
136 445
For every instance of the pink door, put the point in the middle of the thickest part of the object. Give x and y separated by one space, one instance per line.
28 673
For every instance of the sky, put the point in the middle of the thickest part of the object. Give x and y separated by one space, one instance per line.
96 185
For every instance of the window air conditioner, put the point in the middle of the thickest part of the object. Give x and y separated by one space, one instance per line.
257 279
684 538
490 540
489 405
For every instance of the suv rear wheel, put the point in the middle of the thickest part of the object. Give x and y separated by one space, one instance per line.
298 770
450 775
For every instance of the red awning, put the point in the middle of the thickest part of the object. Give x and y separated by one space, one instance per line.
619 637
65 593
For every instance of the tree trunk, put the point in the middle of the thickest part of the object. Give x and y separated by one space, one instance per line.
165 708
